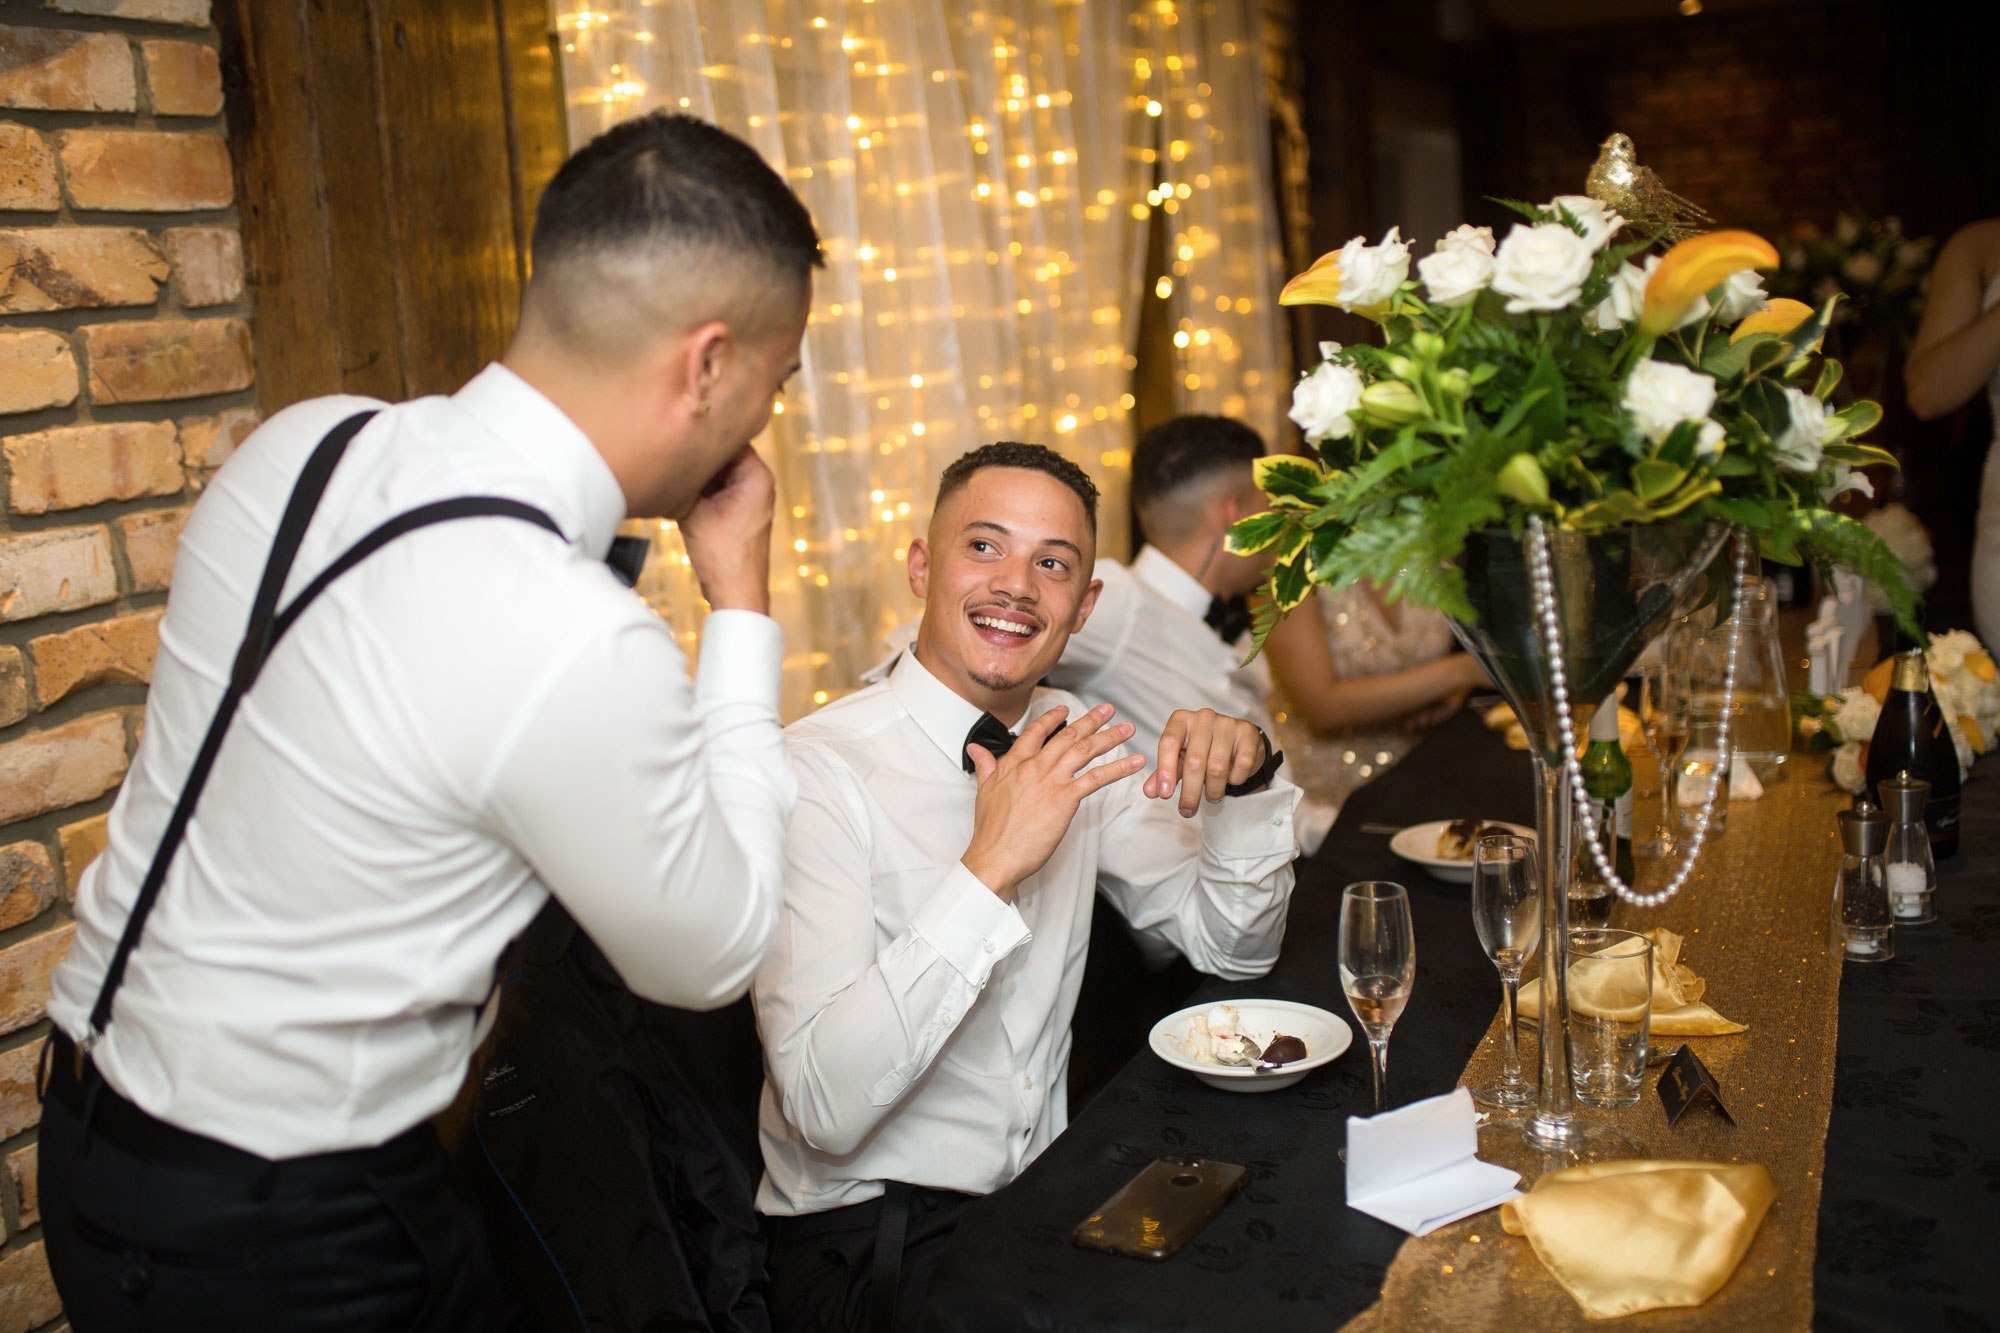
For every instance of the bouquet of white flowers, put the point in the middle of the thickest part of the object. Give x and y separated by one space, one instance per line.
1968 694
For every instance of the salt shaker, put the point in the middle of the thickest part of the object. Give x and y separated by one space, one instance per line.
1862 925
1907 864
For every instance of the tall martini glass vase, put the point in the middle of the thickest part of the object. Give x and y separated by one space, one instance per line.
1613 592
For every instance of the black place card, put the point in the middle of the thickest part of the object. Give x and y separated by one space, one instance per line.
1685 1081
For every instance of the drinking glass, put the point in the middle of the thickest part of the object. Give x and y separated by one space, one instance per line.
1660 705
1378 965
1506 912
1610 1003
1703 662
1761 719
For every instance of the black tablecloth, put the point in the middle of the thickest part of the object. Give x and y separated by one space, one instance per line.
1288 1252
1911 1203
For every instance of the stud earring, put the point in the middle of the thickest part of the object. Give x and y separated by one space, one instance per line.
702 410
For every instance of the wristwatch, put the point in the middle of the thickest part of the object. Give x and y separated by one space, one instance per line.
1262 777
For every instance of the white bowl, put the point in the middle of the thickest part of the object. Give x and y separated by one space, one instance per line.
1418 843
1325 1035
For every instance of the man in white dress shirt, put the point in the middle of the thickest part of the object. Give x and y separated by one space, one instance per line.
1171 629
477 716
954 825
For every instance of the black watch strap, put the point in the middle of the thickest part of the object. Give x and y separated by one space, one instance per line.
1262 777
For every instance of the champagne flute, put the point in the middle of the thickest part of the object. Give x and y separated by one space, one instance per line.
1656 715
1506 912
1378 965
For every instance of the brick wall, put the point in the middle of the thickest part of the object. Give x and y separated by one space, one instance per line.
125 379
1763 116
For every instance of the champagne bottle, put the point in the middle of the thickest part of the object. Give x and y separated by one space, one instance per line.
1912 734
1607 780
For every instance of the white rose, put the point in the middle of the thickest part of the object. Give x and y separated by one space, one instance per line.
1370 274
1456 274
1845 770
1947 651
1856 717
1660 396
1709 444
1626 299
1465 236
1953 709
1600 223
1323 399
1804 432
1327 349
1541 268
1742 294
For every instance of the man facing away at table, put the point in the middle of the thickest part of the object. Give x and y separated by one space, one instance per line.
477 716
1171 629
954 824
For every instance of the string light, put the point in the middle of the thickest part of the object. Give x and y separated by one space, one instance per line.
1069 376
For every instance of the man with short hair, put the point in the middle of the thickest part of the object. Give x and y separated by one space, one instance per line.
1171 630
474 717
955 822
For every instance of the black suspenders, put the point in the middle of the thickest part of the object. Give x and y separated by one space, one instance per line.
268 625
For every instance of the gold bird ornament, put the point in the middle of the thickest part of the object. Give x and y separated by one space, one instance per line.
1618 181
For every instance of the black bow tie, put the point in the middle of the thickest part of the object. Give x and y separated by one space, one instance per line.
1228 617
989 732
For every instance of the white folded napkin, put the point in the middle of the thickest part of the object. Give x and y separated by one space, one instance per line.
1743 783
1417 1167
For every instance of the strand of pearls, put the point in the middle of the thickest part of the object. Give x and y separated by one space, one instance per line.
1542 584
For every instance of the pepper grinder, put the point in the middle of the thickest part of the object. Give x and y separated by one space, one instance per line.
1907 865
1862 926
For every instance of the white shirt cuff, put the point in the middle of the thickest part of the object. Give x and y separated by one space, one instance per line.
1251 826
742 659
968 925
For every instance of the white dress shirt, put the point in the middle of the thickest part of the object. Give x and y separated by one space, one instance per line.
915 1026
1148 649
476 716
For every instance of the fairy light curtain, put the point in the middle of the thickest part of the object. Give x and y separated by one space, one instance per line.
983 174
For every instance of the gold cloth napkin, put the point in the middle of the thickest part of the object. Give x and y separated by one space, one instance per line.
1677 1007
1623 1237
1501 718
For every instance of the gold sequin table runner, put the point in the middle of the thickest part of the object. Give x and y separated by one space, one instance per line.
1755 918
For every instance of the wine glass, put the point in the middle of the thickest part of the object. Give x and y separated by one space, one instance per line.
1704 766
1658 697
1506 911
1378 965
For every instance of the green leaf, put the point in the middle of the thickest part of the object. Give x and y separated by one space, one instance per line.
1733 465
1829 378
1655 477
1693 491
1548 417
1726 360
1814 326
1860 455
1290 583
1247 536
1289 477
1857 419
1408 449
1765 355
1617 508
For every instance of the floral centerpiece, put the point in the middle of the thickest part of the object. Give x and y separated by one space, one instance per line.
1968 693
1883 273
1549 446
1569 374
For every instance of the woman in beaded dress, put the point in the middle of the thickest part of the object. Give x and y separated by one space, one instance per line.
1356 683
1956 354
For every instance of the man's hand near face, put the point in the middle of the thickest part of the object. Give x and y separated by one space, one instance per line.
1203 753
727 532
1028 797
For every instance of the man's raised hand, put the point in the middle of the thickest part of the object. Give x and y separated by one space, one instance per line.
727 533
1028 798
1202 753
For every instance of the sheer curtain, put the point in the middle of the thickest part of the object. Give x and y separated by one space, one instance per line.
983 174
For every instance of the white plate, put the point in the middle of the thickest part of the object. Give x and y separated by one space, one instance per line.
1325 1035
1419 842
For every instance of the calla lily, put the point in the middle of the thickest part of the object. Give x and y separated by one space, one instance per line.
1392 402
1318 285
1690 269
1521 478
1780 317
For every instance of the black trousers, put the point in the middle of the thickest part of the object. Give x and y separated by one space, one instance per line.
151 1227
825 1274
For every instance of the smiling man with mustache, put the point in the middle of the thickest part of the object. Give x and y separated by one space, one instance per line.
955 823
